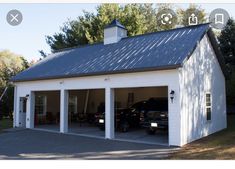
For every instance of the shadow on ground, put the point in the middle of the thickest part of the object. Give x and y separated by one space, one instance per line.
32 144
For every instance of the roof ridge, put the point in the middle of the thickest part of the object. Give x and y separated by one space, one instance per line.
169 30
145 34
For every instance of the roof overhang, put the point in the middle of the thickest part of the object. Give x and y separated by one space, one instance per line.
159 68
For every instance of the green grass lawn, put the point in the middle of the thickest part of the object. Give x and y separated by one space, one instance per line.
5 123
220 145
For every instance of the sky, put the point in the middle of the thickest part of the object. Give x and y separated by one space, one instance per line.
40 20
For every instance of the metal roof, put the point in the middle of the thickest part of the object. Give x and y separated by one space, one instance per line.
115 22
152 51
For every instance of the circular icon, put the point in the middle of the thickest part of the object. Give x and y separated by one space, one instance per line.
166 18
14 17
219 18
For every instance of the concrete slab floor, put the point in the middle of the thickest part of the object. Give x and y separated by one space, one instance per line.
33 144
135 135
86 129
52 127
140 135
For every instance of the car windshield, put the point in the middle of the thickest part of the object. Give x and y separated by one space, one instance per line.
157 105
138 105
152 105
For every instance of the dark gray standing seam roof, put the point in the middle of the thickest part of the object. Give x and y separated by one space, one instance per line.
153 51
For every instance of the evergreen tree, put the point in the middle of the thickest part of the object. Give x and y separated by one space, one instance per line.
227 42
227 46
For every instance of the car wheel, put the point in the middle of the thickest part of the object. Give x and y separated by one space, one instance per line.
151 131
125 127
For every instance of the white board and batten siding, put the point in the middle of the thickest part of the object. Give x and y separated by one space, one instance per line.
169 78
201 74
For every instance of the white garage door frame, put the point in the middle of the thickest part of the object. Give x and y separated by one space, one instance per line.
136 140
169 78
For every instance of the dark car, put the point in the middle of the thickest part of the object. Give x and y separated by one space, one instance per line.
124 118
155 115
140 114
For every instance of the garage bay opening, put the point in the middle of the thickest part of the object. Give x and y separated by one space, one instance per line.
47 110
141 114
86 111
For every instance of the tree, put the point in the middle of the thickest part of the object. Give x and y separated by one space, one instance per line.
10 65
88 29
42 53
227 42
150 20
227 46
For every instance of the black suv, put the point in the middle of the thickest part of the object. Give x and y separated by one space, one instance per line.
155 115
124 118
143 113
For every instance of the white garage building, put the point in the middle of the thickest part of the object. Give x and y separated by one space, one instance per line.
184 62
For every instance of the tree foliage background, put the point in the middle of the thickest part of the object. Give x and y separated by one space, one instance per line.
10 65
137 18
88 29
227 46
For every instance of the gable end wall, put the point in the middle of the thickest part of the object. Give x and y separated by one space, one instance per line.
200 74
